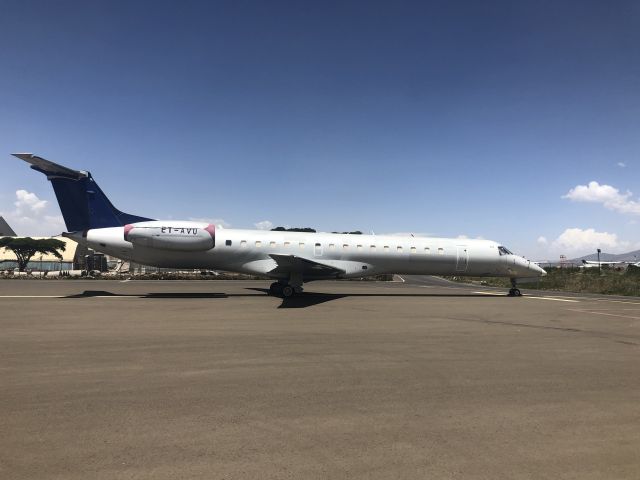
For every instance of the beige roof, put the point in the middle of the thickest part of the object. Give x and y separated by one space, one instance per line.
67 255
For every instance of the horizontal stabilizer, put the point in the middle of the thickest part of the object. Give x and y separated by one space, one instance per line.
49 168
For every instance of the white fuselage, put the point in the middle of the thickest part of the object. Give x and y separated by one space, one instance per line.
248 251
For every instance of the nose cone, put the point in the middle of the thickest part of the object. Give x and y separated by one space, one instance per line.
538 269
527 269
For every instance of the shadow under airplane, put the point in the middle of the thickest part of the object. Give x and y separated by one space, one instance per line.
302 300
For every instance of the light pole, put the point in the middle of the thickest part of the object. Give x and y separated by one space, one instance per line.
599 267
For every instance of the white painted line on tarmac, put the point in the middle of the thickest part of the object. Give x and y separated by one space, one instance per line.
31 296
613 301
555 299
604 313
70 297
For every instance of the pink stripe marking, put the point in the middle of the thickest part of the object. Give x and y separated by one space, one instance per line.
127 229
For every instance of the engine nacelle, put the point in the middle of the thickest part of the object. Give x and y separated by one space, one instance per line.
172 235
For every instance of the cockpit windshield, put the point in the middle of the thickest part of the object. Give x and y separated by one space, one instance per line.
504 251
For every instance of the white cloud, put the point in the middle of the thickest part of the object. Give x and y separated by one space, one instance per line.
264 225
28 204
542 240
30 216
621 164
607 195
577 240
218 222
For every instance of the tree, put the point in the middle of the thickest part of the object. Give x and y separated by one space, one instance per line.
26 247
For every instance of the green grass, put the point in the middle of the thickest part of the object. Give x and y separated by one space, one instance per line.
587 280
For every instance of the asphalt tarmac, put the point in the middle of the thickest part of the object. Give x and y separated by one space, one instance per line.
215 379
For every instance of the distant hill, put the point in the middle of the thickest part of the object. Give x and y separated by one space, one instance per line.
610 257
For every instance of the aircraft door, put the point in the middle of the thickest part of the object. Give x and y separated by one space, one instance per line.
462 261
317 251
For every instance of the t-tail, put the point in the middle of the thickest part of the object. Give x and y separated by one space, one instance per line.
83 204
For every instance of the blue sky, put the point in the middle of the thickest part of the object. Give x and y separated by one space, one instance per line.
448 118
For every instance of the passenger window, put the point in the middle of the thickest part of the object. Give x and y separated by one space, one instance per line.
332 246
359 247
413 249
440 251
286 244
427 250
373 248
386 248
243 243
258 243
272 244
345 246
399 249
301 245
228 243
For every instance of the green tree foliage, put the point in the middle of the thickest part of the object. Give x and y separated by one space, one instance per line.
632 270
26 247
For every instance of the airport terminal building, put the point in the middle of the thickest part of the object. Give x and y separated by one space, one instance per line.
73 257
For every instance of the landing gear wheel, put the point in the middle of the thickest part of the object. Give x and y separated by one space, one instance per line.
275 289
288 291
515 291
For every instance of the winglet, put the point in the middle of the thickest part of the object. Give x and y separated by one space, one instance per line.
50 169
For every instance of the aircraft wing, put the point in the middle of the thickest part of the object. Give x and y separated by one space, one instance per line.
303 266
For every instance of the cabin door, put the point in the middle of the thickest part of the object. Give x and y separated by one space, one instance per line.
462 261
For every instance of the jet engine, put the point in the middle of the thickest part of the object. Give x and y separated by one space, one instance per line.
172 235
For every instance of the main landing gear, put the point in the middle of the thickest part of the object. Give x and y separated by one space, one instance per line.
284 290
515 291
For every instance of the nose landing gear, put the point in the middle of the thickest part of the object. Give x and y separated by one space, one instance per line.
514 291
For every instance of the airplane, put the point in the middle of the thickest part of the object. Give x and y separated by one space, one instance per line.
595 264
289 258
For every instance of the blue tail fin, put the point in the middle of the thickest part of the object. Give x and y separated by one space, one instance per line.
84 206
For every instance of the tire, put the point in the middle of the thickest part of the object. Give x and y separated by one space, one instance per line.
287 291
275 289
516 292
